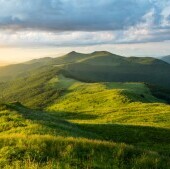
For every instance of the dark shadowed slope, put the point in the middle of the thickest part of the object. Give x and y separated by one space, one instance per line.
98 66
104 66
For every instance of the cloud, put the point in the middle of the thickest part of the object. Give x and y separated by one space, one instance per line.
71 15
88 22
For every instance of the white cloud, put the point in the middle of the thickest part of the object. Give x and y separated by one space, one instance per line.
82 23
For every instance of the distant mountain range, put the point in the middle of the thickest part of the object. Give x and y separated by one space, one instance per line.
166 58
105 66
99 66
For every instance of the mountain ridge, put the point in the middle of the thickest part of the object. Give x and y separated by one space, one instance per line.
50 119
166 59
97 66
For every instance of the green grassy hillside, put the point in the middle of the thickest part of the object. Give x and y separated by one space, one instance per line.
11 72
37 139
34 90
97 67
84 125
48 120
24 69
107 67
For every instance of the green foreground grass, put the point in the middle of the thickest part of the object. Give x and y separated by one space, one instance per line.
57 152
89 125
29 139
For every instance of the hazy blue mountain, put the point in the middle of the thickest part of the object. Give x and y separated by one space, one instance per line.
166 59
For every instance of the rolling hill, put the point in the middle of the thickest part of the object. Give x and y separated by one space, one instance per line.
81 121
36 139
11 72
109 67
53 115
99 66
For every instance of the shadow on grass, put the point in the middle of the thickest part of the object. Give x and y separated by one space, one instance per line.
59 126
160 93
74 115
152 138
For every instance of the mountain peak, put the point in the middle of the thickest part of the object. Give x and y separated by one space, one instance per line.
73 53
101 53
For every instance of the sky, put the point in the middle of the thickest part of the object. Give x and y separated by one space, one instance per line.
37 28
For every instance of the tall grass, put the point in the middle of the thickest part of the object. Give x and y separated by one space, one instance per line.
56 152
87 125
